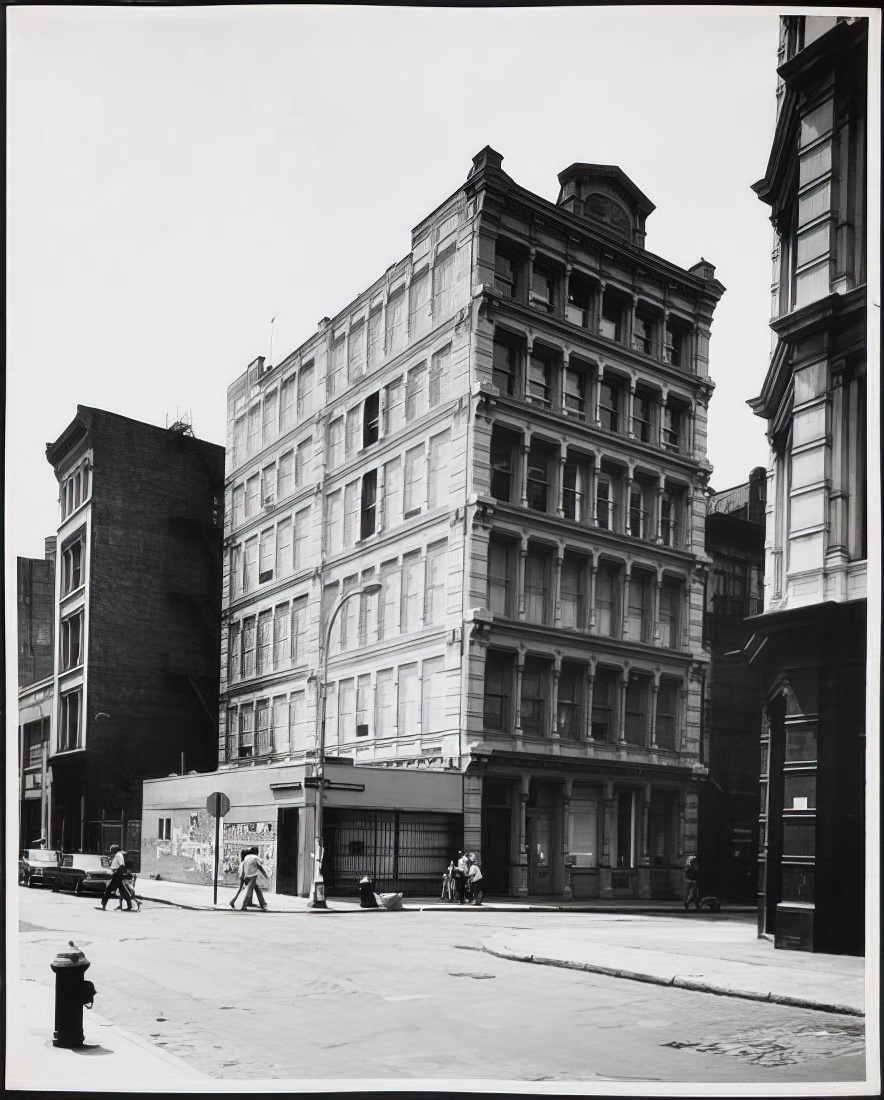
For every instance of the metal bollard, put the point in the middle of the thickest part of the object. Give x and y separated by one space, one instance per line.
72 991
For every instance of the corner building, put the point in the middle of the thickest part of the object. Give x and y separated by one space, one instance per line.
469 513
810 643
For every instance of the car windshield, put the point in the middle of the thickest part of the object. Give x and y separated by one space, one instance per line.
85 862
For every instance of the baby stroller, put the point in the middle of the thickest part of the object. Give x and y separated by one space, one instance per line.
449 890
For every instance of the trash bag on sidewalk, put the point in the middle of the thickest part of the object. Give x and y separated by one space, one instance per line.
389 901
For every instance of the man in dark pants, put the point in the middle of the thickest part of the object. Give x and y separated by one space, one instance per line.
118 873
461 870
692 882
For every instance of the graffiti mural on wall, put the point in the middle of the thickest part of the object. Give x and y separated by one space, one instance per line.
187 852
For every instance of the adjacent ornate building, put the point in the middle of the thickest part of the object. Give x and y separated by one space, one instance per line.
810 641
465 545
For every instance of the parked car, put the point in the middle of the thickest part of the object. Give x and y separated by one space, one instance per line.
79 872
32 865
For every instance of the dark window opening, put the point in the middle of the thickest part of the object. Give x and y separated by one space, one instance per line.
611 323
609 407
504 366
502 487
577 310
370 414
369 504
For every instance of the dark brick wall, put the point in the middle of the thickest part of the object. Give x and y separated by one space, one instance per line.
728 812
36 619
154 609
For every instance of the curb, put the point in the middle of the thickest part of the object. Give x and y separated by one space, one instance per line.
493 907
680 983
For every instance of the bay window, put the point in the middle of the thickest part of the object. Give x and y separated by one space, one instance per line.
570 701
504 367
603 705
535 696
537 586
498 691
69 721
573 592
667 712
501 577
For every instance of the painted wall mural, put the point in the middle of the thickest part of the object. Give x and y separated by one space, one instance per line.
181 847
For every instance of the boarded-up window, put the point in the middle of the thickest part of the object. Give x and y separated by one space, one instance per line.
443 278
385 703
419 303
356 352
409 700
396 305
281 636
392 494
437 468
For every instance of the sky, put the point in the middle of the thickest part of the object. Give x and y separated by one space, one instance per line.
179 176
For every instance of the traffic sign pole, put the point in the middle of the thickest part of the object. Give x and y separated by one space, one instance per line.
217 853
217 804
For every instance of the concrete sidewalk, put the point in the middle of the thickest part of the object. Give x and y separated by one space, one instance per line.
654 941
112 1059
188 895
713 955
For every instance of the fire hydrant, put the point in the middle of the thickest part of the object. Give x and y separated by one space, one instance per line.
72 992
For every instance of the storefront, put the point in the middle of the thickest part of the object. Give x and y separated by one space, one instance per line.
401 826
588 833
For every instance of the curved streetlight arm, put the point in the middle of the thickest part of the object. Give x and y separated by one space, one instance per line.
364 589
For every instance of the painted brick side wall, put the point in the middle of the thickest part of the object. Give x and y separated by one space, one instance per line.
155 596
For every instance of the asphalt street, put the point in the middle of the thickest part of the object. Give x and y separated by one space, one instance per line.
411 996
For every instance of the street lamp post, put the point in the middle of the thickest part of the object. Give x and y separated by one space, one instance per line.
317 890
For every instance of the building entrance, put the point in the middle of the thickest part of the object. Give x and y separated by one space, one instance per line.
496 828
539 836
287 850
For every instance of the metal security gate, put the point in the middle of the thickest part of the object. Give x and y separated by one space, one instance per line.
401 851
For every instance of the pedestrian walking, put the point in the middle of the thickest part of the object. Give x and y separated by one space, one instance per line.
249 870
460 876
116 884
474 876
129 880
692 882
243 852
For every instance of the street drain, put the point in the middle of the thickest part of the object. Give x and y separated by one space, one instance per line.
458 974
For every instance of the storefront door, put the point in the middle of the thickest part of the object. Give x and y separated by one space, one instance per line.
539 830
287 850
496 842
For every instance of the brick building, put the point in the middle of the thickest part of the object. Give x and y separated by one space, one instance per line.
728 835
465 540
136 618
810 643
35 590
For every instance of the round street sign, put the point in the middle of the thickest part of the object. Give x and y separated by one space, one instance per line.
218 804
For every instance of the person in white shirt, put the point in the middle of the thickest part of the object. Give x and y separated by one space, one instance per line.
460 876
474 877
249 870
118 873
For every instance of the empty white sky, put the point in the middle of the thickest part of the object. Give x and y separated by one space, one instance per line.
179 176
